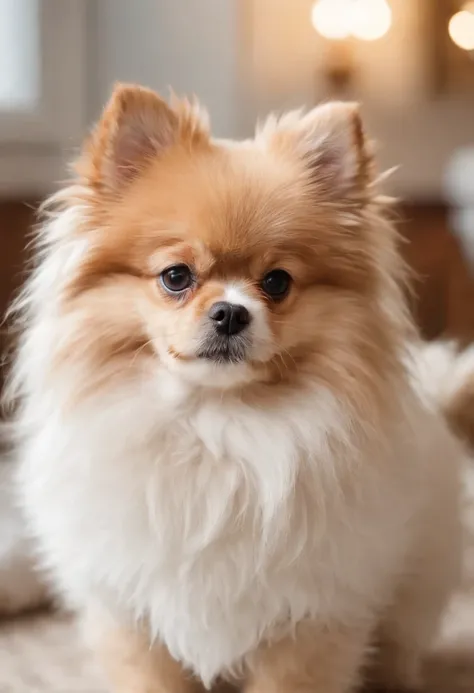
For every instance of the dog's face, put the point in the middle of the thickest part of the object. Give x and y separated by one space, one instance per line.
227 262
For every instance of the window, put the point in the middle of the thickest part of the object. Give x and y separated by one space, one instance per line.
42 89
19 54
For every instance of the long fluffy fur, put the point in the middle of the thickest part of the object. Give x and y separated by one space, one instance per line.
320 493
448 374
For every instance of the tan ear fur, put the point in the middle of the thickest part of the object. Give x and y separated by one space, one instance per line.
330 142
136 126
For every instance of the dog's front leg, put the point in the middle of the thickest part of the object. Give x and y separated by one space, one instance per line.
315 659
132 664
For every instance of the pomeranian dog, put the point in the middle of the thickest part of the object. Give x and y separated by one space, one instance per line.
228 455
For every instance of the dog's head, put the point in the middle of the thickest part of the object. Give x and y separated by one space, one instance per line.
227 262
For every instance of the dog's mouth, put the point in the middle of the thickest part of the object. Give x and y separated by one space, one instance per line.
225 349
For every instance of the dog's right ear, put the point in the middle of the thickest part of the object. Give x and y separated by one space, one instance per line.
136 126
330 142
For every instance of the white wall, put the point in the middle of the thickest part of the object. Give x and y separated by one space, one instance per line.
191 45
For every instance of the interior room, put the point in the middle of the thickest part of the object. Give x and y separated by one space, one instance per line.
410 64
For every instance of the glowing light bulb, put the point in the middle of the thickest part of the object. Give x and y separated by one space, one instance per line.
331 18
461 28
367 20
370 19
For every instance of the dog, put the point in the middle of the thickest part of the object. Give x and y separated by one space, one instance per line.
229 455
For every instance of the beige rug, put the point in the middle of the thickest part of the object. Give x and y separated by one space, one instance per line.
43 654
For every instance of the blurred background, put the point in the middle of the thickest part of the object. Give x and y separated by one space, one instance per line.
410 62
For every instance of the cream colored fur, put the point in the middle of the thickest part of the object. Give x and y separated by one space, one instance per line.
271 537
220 524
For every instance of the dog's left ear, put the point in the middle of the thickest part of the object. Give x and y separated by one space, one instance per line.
136 127
330 143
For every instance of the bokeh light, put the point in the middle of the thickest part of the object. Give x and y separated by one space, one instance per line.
461 28
367 20
371 19
331 18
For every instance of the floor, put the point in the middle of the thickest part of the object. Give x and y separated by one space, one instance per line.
43 654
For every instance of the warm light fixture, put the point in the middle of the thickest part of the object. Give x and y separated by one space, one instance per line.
341 20
367 20
461 27
330 18
371 19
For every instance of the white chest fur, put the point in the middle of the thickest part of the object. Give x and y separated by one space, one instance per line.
216 522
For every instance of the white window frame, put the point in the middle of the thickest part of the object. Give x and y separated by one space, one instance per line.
34 143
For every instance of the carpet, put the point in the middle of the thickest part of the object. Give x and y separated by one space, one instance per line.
42 653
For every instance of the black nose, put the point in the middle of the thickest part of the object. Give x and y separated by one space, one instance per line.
229 318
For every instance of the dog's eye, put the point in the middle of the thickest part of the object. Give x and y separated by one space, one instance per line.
177 278
276 284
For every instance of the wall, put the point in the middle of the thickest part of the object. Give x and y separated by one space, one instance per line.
247 57
415 129
191 45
